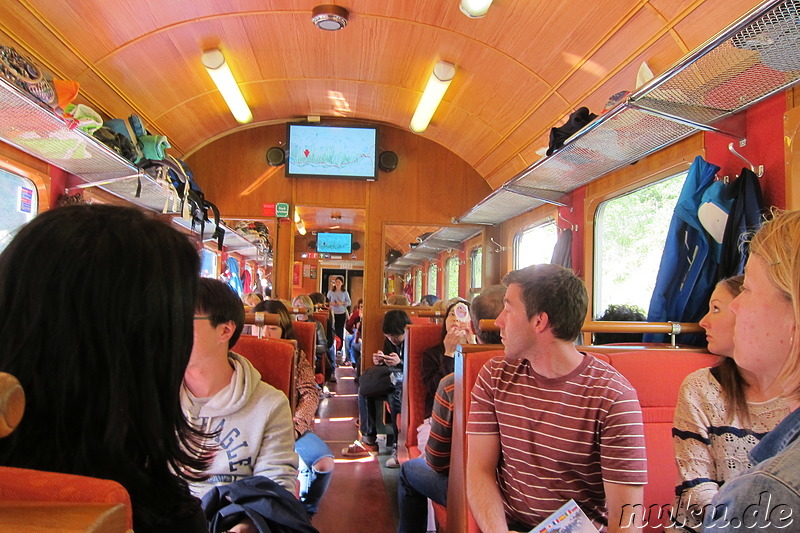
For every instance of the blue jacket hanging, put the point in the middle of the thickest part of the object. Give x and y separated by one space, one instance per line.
688 270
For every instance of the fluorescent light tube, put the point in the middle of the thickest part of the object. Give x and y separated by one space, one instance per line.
475 8
219 71
432 96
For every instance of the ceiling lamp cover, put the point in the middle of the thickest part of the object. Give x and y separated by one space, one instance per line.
329 17
475 8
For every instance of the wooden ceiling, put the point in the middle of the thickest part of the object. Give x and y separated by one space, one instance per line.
332 218
520 70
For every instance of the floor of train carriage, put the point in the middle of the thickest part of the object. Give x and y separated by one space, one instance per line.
362 495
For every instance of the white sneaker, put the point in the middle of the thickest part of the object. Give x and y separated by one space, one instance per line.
392 461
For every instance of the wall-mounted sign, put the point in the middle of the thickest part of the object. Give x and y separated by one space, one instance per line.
25 200
282 210
268 210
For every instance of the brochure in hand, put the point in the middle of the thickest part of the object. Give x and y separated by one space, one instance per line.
567 519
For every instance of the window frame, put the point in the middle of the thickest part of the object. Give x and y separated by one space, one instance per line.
672 160
472 262
452 260
549 220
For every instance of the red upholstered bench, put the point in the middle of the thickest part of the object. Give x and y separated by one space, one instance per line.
419 337
274 360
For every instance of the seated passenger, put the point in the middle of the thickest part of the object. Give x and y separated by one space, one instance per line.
352 341
321 302
394 329
547 423
767 350
223 393
721 415
96 309
620 313
437 361
321 347
316 458
427 477
428 300
397 299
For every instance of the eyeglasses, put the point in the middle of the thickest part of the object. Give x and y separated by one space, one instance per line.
202 318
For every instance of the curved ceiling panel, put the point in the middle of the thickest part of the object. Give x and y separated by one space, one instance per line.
521 69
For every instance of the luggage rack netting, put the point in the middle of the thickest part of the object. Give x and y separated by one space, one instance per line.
755 57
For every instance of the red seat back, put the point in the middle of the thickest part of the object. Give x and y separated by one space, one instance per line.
306 335
467 367
419 337
657 376
275 361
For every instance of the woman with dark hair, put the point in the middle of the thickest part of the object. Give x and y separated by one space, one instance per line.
102 383
720 416
438 361
316 458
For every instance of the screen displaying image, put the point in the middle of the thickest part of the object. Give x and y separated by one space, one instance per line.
334 243
332 151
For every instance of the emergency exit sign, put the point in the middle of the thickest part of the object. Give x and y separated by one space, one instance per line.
282 210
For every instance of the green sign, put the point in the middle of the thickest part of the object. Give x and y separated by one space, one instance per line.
282 210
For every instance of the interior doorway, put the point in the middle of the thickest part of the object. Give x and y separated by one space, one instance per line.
353 282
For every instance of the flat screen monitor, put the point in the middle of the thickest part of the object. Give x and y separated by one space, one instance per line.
332 151
334 243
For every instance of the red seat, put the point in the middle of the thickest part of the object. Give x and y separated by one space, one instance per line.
275 361
657 376
306 335
467 366
419 337
34 499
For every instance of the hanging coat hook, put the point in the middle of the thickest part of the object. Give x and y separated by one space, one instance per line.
759 172
573 227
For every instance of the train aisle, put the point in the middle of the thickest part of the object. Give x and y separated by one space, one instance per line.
362 495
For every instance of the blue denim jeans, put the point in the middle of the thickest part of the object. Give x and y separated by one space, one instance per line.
416 484
313 483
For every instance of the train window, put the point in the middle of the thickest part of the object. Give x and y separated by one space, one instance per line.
534 246
476 269
19 203
451 267
432 279
629 236
208 263
417 285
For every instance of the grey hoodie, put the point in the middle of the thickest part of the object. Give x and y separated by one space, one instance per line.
255 429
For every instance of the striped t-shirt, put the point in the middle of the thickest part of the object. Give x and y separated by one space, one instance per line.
560 438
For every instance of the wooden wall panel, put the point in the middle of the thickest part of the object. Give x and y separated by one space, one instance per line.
429 187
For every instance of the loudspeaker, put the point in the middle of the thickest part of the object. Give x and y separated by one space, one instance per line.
356 246
312 245
387 161
276 156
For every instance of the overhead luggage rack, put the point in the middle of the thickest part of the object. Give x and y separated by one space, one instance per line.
754 58
447 238
26 124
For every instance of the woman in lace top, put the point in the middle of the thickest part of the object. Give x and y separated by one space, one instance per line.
720 416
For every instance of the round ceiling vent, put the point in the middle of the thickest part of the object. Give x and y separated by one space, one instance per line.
329 17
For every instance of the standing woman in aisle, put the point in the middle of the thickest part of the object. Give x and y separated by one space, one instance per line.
340 301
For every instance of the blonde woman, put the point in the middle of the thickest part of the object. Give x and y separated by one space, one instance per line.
767 346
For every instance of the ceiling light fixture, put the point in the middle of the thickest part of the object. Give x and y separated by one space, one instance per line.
438 83
475 8
329 17
219 71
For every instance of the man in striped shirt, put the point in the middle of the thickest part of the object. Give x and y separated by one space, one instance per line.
548 423
427 477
